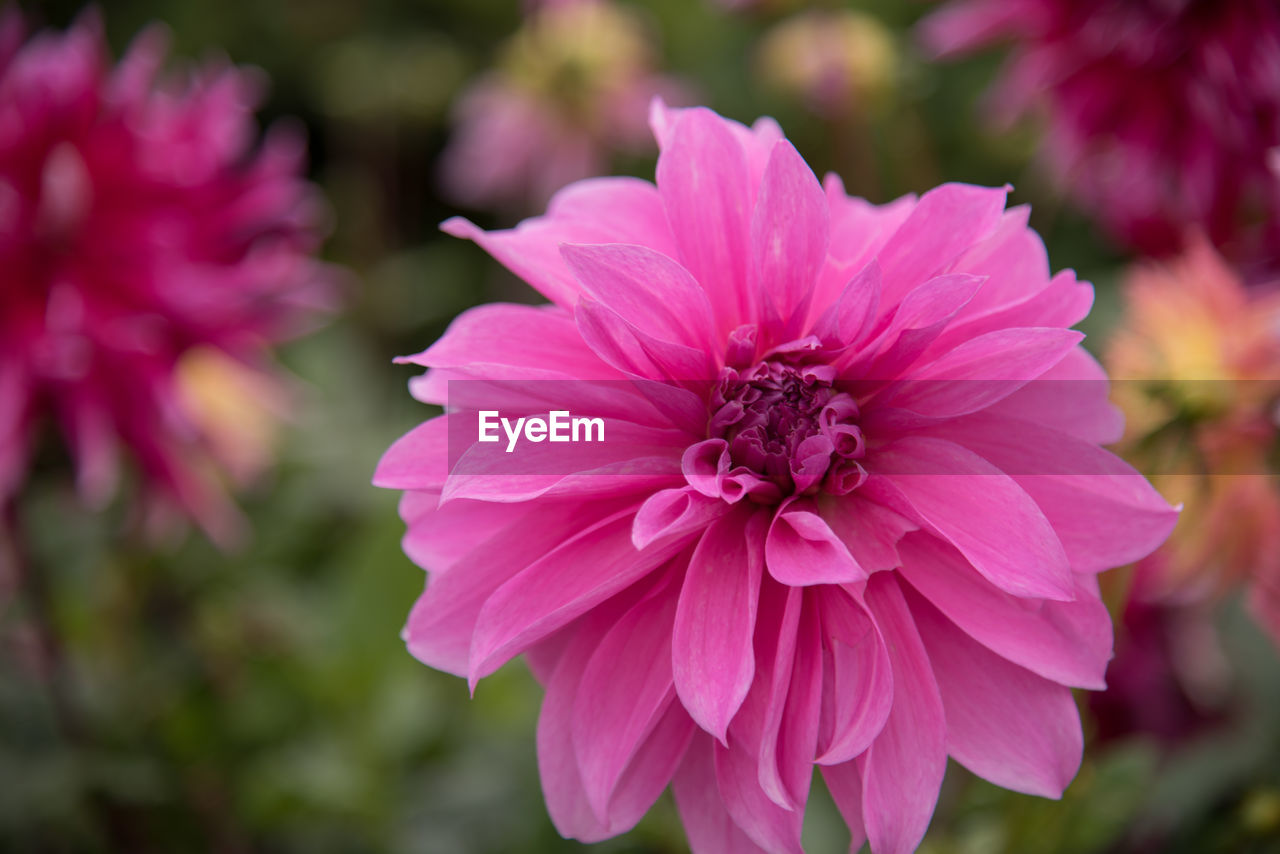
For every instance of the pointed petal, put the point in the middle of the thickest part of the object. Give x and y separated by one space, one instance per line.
861 690
870 531
583 212
1004 723
944 223
774 827
710 828
568 581
634 352
417 460
567 801
1103 510
789 232
647 289
790 737
443 621
702 177
852 314
532 337
845 784
981 371
625 690
712 658
978 509
1071 397
1067 642
628 459
907 331
902 770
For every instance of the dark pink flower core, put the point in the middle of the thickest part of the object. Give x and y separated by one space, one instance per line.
788 425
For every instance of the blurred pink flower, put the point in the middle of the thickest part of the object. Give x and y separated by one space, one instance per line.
1162 114
840 521
570 88
138 224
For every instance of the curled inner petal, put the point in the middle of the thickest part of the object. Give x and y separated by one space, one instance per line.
787 426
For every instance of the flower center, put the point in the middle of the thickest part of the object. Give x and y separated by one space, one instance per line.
789 425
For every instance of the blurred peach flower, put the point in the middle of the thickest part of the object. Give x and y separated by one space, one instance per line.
1197 368
837 61
572 85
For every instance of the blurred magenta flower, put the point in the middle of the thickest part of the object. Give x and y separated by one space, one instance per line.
1199 359
1170 677
1162 114
570 88
141 229
843 520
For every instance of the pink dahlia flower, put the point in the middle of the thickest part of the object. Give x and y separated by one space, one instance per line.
138 225
1161 115
849 510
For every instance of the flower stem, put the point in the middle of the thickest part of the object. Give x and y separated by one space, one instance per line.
25 580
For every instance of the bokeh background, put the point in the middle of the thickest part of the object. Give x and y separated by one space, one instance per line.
261 700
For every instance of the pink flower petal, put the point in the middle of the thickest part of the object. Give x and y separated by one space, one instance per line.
853 312
417 460
870 531
712 658
542 338
1067 642
646 289
441 626
630 459
770 824
702 176
677 512
1004 723
910 328
861 689
582 212
944 223
647 774
802 549
789 740
845 784
567 582
710 828
982 512
625 690
788 239
902 769
981 371
1071 397
637 353
439 536
1104 511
